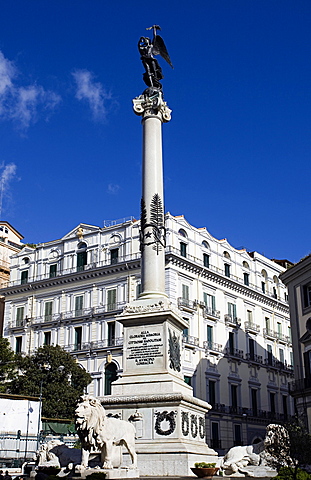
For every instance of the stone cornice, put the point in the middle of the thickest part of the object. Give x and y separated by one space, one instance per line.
153 398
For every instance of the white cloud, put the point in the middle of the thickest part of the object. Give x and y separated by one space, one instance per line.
8 173
22 104
113 188
92 92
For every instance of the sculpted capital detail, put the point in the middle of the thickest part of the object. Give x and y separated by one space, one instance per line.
153 105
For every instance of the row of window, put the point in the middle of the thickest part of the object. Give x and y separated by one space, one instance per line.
234 394
78 307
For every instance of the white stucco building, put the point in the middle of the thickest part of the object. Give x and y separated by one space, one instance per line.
236 349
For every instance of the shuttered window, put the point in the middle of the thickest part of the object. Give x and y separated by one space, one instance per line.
112 299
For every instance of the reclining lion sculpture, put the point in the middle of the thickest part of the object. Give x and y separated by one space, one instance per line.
97 432
272 451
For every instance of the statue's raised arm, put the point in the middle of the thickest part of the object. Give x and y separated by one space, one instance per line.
148 49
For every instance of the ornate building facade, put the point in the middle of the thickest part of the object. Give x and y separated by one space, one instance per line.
237 346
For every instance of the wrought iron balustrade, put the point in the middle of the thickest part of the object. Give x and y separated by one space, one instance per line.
190 340
186 304
253 357
231 320
234 352
251 327
209 312
212 347
96 345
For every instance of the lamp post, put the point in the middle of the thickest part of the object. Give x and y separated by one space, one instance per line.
46 367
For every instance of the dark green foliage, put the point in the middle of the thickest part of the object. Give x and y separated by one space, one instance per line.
61 388
7 364
300 443
287 473
204 465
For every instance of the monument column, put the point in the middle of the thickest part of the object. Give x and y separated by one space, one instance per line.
154 112
170 422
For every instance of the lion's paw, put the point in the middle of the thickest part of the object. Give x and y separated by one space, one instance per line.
108 465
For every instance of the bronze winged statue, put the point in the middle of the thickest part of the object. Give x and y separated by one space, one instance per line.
148 49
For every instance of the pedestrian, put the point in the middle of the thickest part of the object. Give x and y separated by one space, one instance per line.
7 476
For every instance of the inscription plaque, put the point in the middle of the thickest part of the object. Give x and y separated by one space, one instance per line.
144 346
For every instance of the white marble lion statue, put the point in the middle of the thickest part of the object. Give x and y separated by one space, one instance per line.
97 432
273 450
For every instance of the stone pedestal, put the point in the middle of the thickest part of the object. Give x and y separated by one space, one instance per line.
169 421
170 431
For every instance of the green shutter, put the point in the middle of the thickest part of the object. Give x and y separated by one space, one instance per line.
205 299
213 302
79 304
48 307
19 316
111 299
209 334
185 292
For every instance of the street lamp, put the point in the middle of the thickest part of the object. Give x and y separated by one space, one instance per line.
46 367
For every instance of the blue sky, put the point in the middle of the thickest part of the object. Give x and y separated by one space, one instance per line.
237 152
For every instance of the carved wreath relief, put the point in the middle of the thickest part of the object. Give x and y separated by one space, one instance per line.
174 351
165 416
153 232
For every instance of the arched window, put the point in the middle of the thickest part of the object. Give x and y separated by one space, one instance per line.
81 256
245 265
227 255
275 286
26 260
205 244
110 376
264 281
183 233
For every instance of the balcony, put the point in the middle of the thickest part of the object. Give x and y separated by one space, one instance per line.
251 327
267 333
300 387
254 358
185 304
189 340
234 352
211 313
274 363
211 347
232 321
249 414
96 345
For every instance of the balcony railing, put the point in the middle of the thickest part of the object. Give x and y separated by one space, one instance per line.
300 385
253 357
190 340
96 345
209 312
249 413
231 320
186 304
251 327
234 352
276 335
83 312
272 362
211 347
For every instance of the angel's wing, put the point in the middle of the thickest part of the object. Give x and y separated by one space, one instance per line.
159 48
